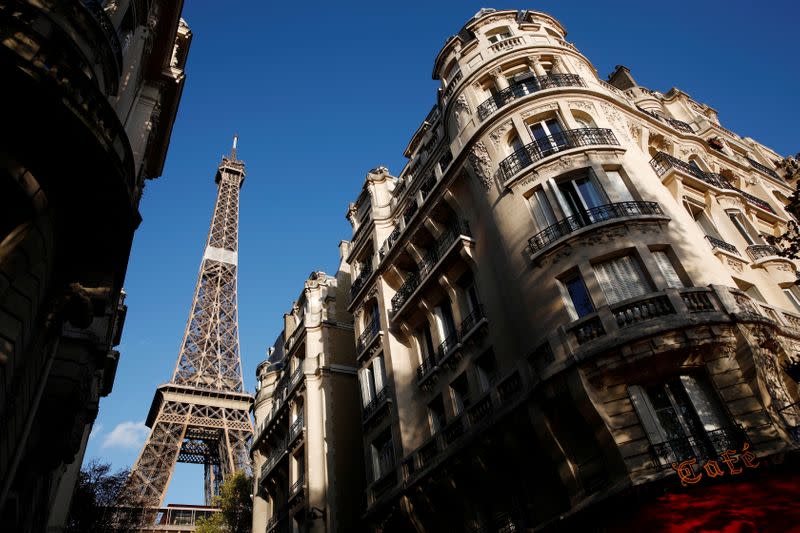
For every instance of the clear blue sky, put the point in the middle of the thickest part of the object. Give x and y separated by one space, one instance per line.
323 91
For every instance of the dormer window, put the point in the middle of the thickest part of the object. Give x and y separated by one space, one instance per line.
498 34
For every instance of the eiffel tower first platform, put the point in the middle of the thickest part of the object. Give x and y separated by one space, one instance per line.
202 415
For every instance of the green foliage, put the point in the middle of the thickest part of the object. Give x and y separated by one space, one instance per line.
236 506
789 242
97 489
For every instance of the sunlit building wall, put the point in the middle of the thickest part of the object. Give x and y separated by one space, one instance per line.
566 291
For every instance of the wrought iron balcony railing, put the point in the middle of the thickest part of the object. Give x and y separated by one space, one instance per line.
389 242
766 170
706 445
472 320
592 216
295 429
99 14
722 245
662 162
406 290
381 397
760 251
675 123
524 88
499 399
428 365
370 332
437 251
541 148
447 345
297 485
450 343
359 282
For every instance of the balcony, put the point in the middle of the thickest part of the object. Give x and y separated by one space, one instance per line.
389 242
380 400
283 391
766 170
278 452
465 427
569 225
541 148
629 319
719 244
675 123
61 62
297 486
524 88
295 430
368 335
762 251
663 163
360 281
450 345
440 249
703 446
506 44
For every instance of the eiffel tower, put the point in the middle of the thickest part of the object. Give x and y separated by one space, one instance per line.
201 415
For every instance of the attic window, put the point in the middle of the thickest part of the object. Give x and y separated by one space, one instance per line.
498 34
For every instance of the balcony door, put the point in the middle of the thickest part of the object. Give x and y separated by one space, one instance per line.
578 198
548 136
681 417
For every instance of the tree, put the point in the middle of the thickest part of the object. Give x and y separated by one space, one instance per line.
789 242
97 490
236 507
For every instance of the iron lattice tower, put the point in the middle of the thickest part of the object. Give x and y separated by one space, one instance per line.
201 415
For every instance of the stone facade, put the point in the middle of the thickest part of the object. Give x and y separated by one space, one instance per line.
308 474
89 95
565 294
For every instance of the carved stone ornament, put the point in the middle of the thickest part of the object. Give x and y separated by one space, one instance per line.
689 150
497 135
603 236
735 265
481 163
552 106
462 111
635 131
615 118
581 104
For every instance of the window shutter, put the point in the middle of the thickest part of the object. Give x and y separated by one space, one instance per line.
667 269
647 415
378 373
618 187
621 278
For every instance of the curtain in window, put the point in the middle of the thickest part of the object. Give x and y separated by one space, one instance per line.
667 269
378 373
621 278
365 379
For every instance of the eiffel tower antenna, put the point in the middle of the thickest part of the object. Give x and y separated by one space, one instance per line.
202 415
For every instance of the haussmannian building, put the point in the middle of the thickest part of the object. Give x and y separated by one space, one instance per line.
89 94
307 450
565 302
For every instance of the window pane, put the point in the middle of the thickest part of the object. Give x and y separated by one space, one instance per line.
579 296
740 227
589 193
